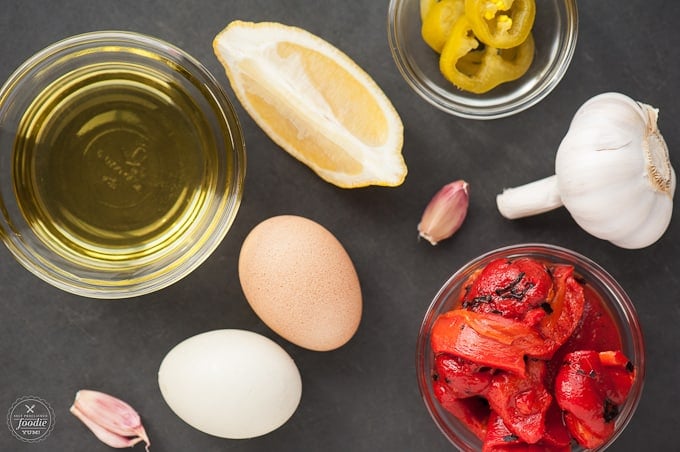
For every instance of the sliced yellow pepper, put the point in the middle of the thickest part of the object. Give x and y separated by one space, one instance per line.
478 68
501 23
425 6
439 21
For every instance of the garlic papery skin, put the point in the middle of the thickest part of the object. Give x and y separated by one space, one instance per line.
612 173
112 420
445 213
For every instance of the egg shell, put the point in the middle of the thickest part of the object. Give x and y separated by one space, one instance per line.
230 383
300 281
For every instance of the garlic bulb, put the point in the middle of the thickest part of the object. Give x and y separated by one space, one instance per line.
612 172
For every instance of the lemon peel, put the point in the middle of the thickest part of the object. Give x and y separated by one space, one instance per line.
315 102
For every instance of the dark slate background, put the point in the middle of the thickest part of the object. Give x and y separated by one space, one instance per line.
364 396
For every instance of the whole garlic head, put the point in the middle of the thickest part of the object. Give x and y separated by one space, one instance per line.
612 172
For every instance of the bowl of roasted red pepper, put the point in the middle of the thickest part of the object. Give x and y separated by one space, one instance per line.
482 59
531 348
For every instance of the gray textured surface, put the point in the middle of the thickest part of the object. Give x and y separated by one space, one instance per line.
362 397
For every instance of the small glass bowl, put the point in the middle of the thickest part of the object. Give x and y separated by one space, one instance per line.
555 33
614 297
157 229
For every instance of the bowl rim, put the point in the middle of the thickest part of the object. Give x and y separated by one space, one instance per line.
624 306
460 109
226 117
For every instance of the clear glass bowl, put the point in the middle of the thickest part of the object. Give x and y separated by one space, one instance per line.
614 297
555 33
140 217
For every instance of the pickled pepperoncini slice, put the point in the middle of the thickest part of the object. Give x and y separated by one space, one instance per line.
425 6
502 24
476 67
439 21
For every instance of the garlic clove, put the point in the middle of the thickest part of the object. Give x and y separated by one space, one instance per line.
113 421
445 213
110 439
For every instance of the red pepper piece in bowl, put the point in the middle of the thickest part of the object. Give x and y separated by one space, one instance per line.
549 299
522 402
465 378
487 339
565 309
473 412
509 288
556 433
620 375
500 439
498 436
590 387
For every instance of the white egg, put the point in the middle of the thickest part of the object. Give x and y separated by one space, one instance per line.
231 383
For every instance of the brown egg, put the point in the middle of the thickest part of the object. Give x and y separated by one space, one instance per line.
301 282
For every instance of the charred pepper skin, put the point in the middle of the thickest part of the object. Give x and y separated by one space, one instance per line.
499 354
509 288
590 387
565 308
479 331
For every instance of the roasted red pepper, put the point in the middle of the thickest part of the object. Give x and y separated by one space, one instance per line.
500 439
565 309
522 402
590 387
498 436
596 330
487 339
526 290
473 412
509 288
481 333
556 433
498 358
464 377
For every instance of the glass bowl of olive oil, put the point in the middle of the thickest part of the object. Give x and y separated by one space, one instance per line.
122 164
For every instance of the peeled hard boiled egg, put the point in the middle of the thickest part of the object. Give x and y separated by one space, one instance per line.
301 282
230 383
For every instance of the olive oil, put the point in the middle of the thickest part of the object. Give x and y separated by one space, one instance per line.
112 163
